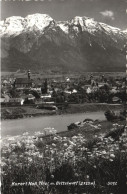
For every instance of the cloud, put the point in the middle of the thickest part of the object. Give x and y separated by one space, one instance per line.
108 14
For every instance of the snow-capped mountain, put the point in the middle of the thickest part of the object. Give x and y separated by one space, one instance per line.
38 41
16 25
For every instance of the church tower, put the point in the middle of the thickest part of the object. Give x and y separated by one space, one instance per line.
29 74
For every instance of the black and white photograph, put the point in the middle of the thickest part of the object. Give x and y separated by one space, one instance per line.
63 96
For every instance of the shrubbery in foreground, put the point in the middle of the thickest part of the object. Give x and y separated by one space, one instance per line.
29 159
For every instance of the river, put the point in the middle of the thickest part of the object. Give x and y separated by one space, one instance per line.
59 122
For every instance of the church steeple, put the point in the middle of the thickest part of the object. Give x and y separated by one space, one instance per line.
29 74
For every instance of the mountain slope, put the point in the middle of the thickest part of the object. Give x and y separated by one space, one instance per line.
39 42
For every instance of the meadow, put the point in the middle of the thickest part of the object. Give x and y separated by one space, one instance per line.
82 161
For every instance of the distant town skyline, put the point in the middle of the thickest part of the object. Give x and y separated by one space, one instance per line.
112 12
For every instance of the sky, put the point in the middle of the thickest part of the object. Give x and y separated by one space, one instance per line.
112 12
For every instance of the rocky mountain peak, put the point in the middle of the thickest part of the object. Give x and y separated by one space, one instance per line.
39 20
38 40
15 25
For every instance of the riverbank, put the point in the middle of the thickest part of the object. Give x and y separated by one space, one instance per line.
59 122
89 130
91 107
30 111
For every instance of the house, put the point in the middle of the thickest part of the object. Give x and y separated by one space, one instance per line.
5 82
115 99
74 91
11 101
4 98
23 83
101 84
88 91
46 96
67 79
31 97
16 101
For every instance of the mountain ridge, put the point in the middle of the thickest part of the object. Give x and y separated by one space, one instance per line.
78 44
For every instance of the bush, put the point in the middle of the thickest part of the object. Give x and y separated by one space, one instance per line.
70 159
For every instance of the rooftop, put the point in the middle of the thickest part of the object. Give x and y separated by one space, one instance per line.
23 81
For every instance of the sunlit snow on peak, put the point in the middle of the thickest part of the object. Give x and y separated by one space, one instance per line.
39 20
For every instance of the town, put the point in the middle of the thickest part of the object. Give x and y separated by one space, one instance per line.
53 95
90 89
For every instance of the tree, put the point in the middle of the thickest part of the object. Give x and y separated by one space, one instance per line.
14 93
